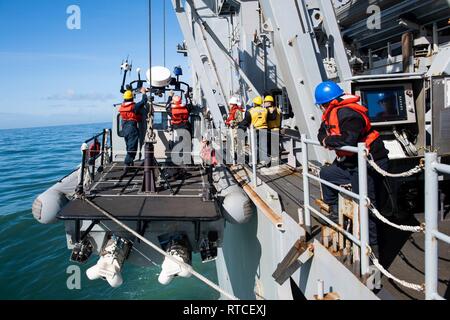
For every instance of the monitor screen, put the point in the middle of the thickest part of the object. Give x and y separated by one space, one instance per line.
385 104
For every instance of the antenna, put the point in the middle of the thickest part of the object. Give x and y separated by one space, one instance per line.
125 67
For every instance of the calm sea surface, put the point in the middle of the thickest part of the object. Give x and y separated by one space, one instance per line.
33 257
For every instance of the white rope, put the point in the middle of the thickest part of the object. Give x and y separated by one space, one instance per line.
409 173
377 214
158 249
413 286
133 248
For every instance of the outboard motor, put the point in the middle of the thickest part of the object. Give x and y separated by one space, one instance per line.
112 257
179 250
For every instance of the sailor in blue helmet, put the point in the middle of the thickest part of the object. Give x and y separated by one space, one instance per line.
346 123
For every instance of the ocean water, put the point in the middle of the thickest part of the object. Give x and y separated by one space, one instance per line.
34 258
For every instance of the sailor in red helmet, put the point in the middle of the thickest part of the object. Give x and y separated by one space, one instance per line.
346 123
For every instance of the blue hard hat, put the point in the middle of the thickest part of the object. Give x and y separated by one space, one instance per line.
327 91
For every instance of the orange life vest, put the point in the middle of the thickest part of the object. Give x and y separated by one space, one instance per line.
127 112
180 114
330 118
233 112
94 149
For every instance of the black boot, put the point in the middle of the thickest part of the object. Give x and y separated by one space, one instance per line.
334 213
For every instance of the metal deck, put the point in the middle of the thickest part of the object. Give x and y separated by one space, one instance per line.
123 198
401 253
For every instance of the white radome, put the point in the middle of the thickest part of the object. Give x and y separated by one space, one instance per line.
161 77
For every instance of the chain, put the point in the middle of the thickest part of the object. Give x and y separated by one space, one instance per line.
150 134
377 214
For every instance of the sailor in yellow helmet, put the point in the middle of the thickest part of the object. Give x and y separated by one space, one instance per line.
274 113
274 126
257 117
258 114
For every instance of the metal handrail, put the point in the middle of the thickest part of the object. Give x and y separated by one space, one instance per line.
95 137
432 234
363 241
431 208
86 158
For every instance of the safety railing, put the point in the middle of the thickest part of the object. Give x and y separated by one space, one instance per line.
237 155
90 155
432 234
361 198
430 228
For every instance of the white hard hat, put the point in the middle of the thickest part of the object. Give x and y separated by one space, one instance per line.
233 100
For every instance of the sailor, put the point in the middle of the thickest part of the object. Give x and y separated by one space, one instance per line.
236 114
274 114
179 121
178 112
346 123
274 125
257 117
131 117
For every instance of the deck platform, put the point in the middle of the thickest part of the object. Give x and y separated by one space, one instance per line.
123 198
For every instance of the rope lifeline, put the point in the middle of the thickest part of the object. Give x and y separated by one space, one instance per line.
377 214
413 286
409 173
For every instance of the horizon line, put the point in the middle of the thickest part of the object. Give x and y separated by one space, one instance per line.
54 125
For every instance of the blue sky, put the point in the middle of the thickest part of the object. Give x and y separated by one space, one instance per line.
51 75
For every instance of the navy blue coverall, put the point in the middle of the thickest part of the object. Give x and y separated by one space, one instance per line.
345 172
131 133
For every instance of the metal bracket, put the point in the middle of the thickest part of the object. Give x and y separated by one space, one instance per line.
267 26
299 254
373 280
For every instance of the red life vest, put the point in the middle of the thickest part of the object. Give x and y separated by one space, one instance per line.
180 114
232 116
330 118
127 112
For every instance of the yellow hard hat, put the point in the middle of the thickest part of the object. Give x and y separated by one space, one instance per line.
258 101
269 99
128 95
